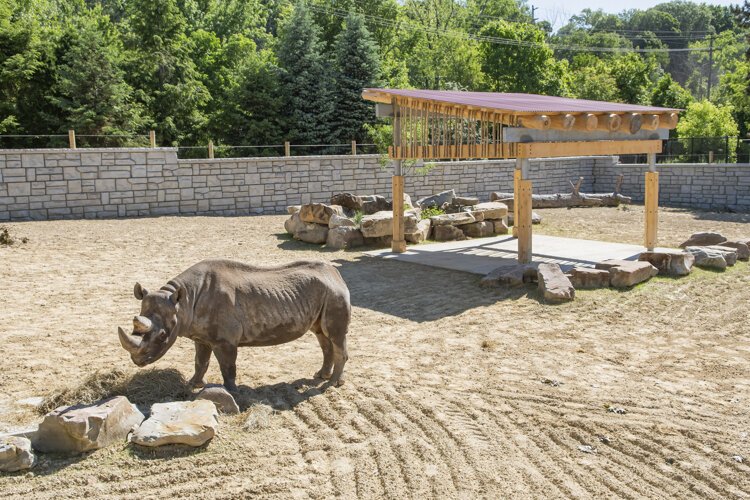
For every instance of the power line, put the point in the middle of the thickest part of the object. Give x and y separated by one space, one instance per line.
496 40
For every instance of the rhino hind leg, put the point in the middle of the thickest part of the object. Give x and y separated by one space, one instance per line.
326 370
335 324
202 359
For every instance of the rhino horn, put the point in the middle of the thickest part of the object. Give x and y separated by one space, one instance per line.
141 324
128 343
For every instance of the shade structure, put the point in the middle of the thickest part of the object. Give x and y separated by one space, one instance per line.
441 124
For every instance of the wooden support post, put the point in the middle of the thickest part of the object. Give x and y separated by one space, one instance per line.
210 149
398 244
651 204
354 148
287 149
522 211
152 138
72 139
517 177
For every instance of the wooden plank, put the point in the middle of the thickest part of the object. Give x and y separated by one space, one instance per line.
72 139
398 245
210 149
652 209
522 219
152 138
593 148
354 148
287 149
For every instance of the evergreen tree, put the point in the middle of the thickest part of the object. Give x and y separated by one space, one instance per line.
305 81
357 67
90 92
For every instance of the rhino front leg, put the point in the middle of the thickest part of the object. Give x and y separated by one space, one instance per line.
226 355
202 359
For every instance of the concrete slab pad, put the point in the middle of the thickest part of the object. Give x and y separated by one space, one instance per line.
482 255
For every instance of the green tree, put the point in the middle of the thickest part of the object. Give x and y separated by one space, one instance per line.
667 93
704 119
160 67
90 90
592 79
521 68
305 80
633 75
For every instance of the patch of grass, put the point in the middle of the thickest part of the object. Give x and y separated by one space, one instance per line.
358 215
143 388
431 212
6 239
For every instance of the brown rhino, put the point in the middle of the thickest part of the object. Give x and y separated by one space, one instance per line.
221 305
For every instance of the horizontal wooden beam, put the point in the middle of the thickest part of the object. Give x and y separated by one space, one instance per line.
592 148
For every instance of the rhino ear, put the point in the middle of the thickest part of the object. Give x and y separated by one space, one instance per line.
139 291
178 295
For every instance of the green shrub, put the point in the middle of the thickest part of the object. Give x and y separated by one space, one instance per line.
431 212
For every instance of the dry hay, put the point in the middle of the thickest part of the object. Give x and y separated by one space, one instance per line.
144 388
258 416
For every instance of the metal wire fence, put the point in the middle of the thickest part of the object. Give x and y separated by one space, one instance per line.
724 149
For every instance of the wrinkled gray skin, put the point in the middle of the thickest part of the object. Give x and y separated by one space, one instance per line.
222 305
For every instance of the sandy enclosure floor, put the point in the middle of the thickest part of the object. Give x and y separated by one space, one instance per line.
448 389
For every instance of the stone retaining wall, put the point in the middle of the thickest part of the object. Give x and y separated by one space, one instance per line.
132 182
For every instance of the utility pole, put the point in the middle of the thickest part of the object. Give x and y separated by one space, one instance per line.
710 65
533 19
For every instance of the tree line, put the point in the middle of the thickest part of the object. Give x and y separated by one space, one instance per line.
259 72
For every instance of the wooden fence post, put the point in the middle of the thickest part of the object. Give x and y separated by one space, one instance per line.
354 148
152 138
287 149
72 139
210 149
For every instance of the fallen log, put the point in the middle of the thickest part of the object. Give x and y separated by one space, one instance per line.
573 199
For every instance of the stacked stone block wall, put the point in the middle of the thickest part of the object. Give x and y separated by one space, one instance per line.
135 182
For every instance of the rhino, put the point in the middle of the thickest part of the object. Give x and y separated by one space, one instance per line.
222 305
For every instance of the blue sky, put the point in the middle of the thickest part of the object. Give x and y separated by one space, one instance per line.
558 12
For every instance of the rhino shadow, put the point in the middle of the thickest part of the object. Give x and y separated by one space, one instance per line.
419 293
283 396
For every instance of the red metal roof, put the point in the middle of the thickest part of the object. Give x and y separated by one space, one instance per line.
523 103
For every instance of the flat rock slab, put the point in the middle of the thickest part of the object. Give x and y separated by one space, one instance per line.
465 201
707 258
448 233
381 224
220 397
337 220
491 210
437 200
627 273
703 239
421 234
319 213
535 218
456 219
183 422
670 262
553 284
742 248
511 274
311 233
587 278
730 254
479 229
80 428
374 203
16 454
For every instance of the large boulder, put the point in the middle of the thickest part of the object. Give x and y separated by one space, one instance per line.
510 274
312 233
703 239
731 254
293 209
741 247
491 210
456 219
347 201
553 284
478 229
374 203
421 234
16 454
500 226
670 262
447 233
627 273
220 397
381 224
319 213
379 241
80 428
708 258
437 200
340 221
293 224
465 201
344 237
587 278
183 422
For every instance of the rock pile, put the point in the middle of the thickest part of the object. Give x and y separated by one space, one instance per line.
82 428
351 220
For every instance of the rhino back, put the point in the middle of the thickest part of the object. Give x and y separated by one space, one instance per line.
248 305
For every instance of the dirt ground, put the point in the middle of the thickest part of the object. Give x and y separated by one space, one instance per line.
452 390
